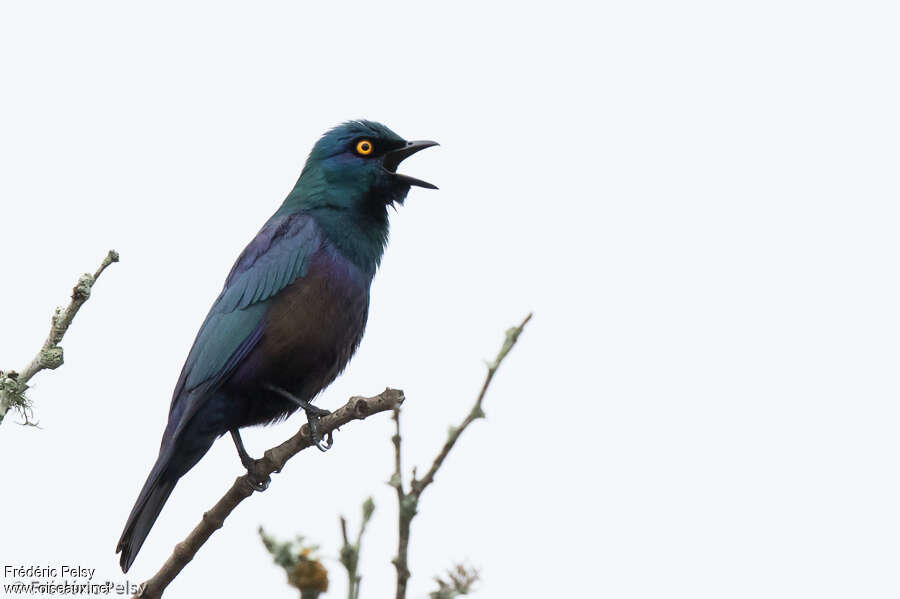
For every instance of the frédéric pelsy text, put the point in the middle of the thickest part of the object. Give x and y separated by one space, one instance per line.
60 571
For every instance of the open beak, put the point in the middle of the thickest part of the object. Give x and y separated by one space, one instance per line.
392 160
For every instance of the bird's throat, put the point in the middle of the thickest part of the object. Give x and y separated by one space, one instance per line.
359 236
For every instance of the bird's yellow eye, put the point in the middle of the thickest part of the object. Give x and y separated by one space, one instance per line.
364 147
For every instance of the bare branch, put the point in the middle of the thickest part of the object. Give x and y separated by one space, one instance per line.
344 531
512 335
406 502
397 478
357 408
350 551
409 500
14 384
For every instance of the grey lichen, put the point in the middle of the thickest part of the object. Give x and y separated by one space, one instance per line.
51 357
82 289
10 384
12 396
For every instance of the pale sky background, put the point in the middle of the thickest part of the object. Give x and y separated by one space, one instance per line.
698 200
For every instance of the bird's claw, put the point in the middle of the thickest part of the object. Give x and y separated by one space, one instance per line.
312 417
322 443
325 444
257 484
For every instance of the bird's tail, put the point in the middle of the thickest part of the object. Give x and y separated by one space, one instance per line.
145 511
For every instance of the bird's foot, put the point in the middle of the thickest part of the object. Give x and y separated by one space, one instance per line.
313 414
312 418
257 483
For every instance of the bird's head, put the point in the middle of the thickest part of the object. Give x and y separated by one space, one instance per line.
358 161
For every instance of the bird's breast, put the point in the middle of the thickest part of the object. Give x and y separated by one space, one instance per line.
312 328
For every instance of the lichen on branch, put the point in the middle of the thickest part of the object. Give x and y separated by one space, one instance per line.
13 385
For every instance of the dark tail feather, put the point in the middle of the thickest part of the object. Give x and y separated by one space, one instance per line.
144 513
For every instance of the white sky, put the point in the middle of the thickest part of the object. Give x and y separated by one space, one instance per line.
699 201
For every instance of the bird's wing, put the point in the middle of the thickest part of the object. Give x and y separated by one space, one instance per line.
277 256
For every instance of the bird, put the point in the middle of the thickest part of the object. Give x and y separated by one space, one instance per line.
291 313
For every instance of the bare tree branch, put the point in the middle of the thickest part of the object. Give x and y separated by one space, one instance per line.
357 408
350 551
409 499
14 384
407 503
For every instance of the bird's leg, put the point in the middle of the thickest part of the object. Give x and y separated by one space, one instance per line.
247 461
312 417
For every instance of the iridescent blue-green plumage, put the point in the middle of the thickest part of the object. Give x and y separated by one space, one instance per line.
292 310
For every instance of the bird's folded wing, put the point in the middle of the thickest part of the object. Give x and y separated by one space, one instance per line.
277 256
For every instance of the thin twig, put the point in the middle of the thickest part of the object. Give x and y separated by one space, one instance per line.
409 499
344 530
357 408
406 511
14 384
350 551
